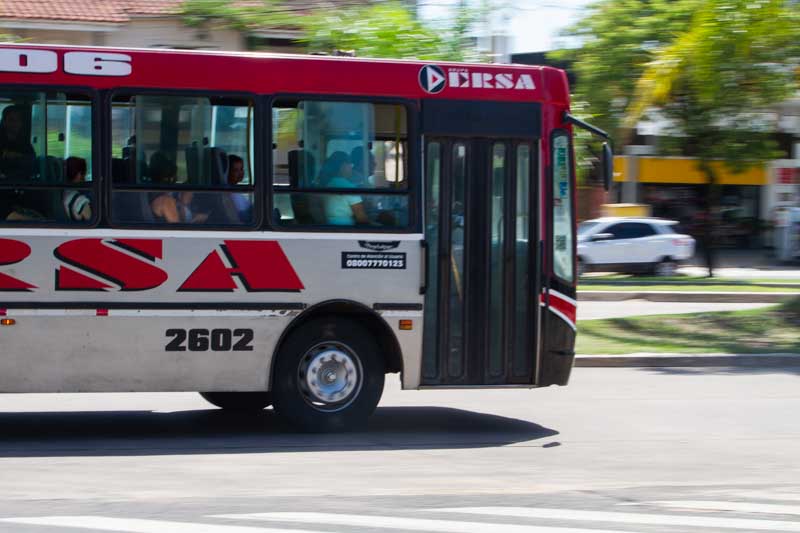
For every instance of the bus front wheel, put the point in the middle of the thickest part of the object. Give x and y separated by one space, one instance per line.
328 376
239 401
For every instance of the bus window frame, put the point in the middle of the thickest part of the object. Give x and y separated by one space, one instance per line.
414 158
259 206
550 252
98 197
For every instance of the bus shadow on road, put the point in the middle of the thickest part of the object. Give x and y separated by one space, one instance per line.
212 431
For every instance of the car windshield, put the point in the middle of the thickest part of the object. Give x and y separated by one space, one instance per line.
670 228
585 227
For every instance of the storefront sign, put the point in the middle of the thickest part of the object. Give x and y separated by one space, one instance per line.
786 176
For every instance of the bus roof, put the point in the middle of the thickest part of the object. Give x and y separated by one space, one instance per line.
265 73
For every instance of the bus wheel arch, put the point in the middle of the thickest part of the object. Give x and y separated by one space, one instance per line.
378 327
328 370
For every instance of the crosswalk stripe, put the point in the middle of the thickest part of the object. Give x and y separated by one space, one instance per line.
134 525
628 518
743 507
761 495
396 522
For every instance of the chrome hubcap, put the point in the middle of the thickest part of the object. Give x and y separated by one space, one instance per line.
666 268
329 376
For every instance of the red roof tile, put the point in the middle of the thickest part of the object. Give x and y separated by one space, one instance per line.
120 11
114 11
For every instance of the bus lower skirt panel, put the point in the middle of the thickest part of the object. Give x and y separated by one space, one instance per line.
558 350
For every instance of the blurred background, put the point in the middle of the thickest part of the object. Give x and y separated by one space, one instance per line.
701 96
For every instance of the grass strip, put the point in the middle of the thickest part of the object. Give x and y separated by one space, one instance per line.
688 288
773 329
695 280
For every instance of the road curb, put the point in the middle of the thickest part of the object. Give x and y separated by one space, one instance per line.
730 283
685 296
647 360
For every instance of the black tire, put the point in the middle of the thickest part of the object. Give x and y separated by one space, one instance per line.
239 401
354 363
582 267
667 267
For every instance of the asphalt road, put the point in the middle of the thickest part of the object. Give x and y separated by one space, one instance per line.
683 450
626 308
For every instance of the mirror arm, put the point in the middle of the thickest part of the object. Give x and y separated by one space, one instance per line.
575 121
608 169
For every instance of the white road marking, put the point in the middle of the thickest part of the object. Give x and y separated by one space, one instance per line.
134 525
740 507
629 518
396 522
760 495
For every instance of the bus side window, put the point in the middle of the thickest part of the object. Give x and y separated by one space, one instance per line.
46 158
183 160
340 164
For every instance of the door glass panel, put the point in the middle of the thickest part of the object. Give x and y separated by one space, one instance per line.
496 262
522 291
455 358
563 259
433 156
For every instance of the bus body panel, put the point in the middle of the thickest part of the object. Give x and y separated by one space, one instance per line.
125 351
274 74
164 311
93 306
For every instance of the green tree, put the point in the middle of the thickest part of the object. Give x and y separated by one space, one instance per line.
380 29
717 82
618 39
713 68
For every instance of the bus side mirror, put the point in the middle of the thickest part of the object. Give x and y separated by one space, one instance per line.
607 161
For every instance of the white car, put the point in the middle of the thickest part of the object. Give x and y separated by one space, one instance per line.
632 245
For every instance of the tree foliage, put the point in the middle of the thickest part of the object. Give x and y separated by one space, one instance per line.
712 69
380 29
718 79
619 38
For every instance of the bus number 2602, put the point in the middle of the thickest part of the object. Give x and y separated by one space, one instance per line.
217 340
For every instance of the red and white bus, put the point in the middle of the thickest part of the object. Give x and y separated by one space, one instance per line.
285 230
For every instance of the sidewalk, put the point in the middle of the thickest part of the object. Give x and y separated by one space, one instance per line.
685 296
661 360
742 264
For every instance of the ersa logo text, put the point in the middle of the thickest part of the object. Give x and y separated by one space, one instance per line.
433 79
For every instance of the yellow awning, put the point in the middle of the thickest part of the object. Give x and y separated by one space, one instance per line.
685 171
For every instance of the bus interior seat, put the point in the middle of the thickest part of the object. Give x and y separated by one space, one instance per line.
132 207
192 154
300 176
119 170
307 207
215 161
55 169
220 207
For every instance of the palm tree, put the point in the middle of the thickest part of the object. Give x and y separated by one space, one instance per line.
716 80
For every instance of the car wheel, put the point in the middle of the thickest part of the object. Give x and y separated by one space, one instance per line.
667 267
328 376
582 269
239 401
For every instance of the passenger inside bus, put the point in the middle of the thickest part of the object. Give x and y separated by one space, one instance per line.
77 204
171 207
17 156
242 202
20 211
363 176
341 209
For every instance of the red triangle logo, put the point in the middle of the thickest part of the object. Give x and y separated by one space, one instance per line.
71 280
7 283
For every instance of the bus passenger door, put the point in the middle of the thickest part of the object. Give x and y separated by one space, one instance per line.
480 310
